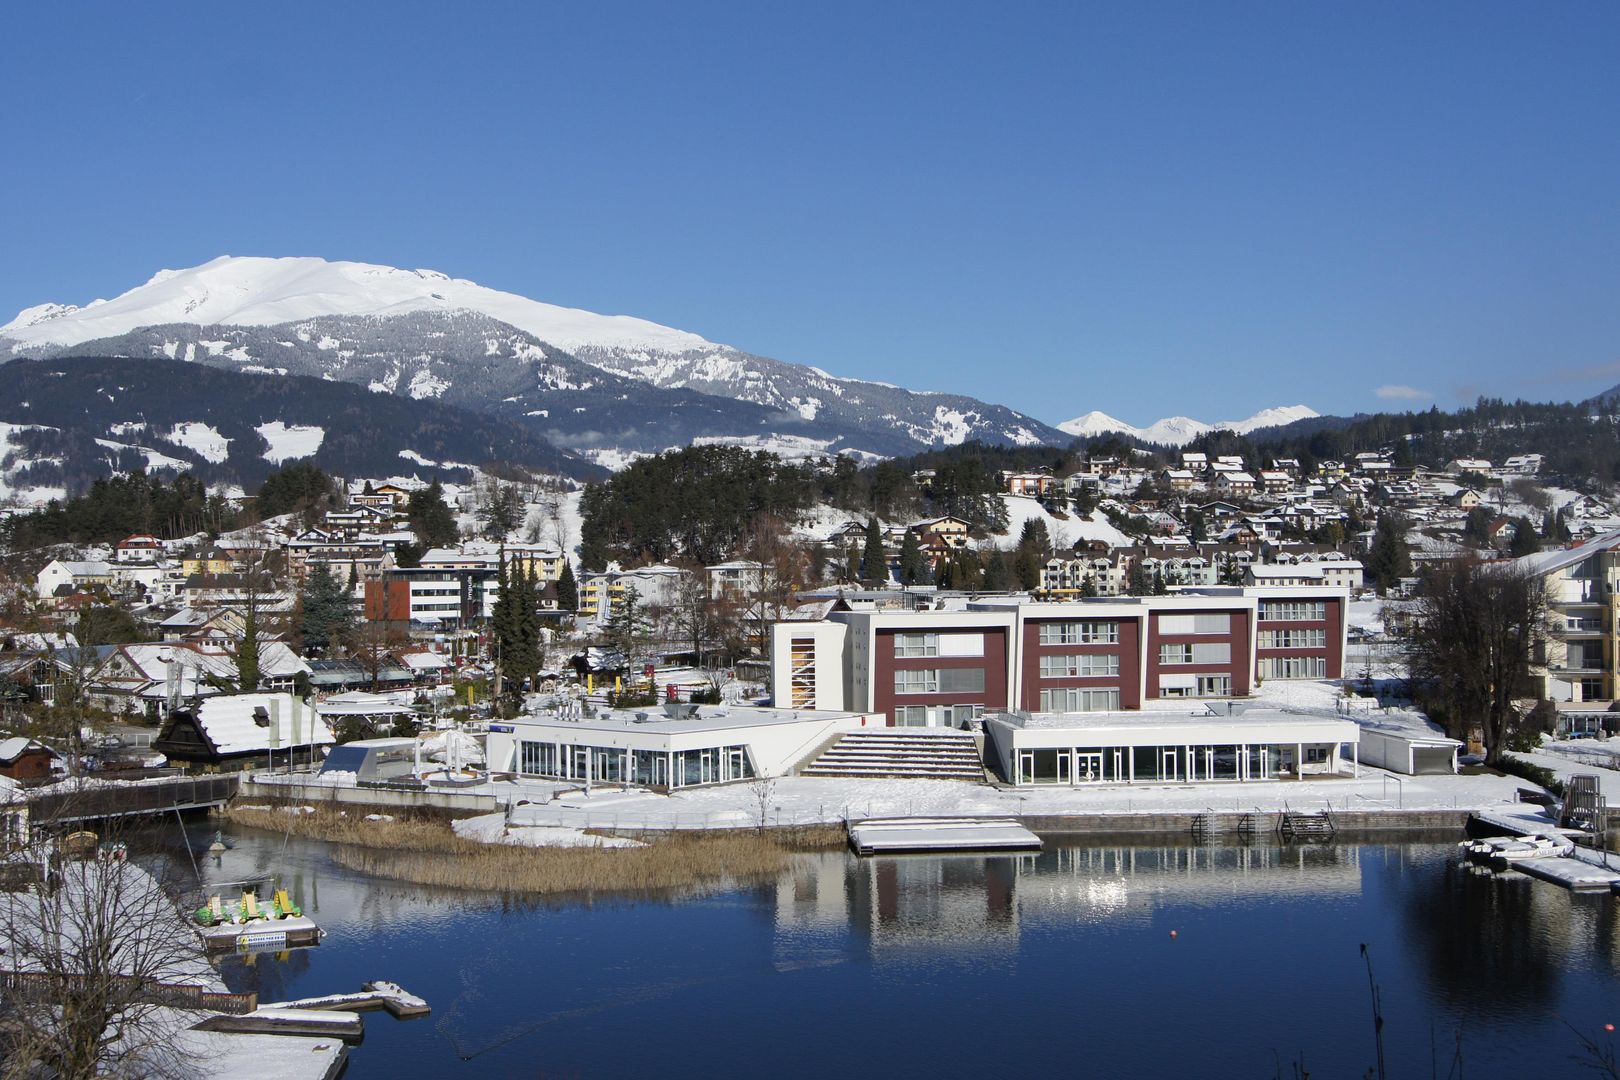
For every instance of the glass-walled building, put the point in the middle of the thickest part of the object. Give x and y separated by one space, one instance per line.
1162 748
683 746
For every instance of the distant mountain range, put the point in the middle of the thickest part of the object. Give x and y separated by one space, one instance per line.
1181 430
602 385
65 423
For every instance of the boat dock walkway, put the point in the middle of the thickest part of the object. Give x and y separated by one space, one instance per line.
334 1016
916 834
1583 870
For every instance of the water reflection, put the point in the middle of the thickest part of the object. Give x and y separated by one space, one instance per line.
976 904
1020 946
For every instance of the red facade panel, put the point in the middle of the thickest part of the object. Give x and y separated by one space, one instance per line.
1236 668
1128 681
993 662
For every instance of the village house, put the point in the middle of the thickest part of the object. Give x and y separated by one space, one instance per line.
75 574
139 548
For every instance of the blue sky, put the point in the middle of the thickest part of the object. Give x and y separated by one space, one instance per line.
1146 209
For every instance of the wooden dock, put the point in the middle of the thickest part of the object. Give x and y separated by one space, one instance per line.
395 999
913 834
1576 875
335 1016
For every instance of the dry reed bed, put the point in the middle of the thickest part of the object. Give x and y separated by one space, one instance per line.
427 852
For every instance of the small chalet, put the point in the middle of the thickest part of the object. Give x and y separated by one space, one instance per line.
243 730
27 759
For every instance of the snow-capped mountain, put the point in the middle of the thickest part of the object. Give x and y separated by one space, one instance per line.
1181 430
593 382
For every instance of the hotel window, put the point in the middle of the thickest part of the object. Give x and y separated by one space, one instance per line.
1293 667
912 645
940 681
1195 686
1077 699
1200 653
1293 639
1195 624
1079 667
1079 633
1293 611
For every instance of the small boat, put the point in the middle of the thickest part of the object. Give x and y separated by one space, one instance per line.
219 912
1511 849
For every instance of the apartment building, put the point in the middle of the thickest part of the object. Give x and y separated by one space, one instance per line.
942 668
1578 662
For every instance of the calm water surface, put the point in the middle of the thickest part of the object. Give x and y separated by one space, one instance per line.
1057 964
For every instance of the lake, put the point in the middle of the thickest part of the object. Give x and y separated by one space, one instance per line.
1061 963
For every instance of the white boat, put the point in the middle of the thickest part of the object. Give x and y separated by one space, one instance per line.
1518 848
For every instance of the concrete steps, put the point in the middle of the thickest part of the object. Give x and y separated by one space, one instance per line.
906 753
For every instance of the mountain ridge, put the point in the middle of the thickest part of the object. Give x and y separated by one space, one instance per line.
245 299
1181 430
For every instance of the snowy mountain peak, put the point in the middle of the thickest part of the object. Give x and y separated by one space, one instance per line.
33 316
1181 430
253 291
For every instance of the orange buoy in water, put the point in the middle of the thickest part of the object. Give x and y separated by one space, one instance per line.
1608 1027
1172 933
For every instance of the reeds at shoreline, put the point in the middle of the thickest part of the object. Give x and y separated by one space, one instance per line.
427 852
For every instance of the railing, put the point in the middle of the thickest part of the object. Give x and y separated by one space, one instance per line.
113 799
42 986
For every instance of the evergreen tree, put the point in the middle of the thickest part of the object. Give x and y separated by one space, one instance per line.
998 572
852 564
1159 588
625 631
1525 540
247 653
1554 529
1085 501
326 611
966 572
431 518
1088 586
567 588
945 574
1477 524
1388 559
912 570
1138 583
874 564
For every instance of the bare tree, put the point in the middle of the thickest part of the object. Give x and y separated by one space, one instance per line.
763 789
1478 628
95 950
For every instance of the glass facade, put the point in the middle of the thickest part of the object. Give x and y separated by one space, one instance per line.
1080 765
651 768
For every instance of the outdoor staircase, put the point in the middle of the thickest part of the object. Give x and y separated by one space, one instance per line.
1293 825
906 753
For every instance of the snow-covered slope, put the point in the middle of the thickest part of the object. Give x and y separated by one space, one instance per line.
1181 430
422 334
246 291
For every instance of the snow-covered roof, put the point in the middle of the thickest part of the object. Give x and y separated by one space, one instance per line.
13 748
424 661
231 724
1547 562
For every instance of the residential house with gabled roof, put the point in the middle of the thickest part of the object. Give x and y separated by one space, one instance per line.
77 574
138 548
244 730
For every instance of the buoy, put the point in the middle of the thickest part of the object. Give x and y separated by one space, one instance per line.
1608 1027
1172 933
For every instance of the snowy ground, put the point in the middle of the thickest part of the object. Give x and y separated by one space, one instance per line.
1065 532
804 800
492 829
1596 757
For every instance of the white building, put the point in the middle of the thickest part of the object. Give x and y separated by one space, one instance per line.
1157 747
680 746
